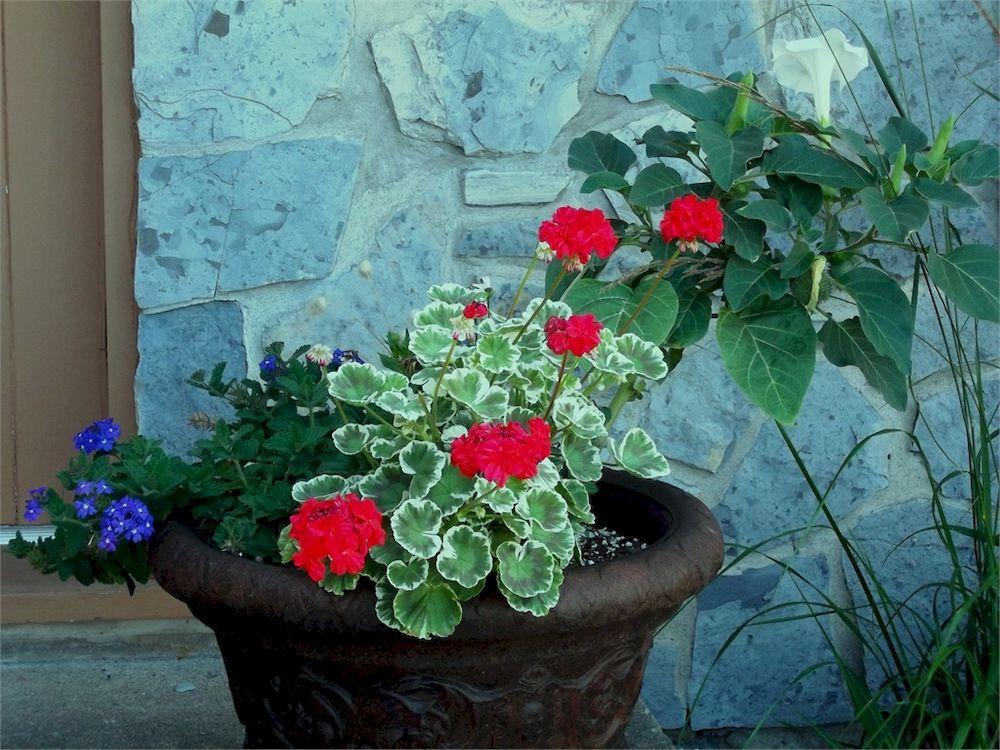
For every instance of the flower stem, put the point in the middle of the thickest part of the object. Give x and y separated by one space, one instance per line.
548 294
621 397
524 282
558 385
649 293
437 385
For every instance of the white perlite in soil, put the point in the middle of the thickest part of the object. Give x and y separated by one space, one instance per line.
599 543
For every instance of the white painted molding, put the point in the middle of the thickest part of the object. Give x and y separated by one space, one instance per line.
28 532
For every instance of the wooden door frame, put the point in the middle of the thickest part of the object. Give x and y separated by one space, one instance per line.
118 186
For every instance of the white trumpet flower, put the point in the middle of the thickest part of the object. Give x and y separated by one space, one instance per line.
810 66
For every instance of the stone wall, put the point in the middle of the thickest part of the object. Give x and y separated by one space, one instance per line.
309 168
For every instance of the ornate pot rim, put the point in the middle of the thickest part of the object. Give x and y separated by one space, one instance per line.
648 584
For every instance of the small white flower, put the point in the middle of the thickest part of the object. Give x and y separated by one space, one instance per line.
463 329
321 354
810 66
544 253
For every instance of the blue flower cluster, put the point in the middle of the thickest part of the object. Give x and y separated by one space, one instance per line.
271 367
86 497
127 519
346 355
35 505
99 437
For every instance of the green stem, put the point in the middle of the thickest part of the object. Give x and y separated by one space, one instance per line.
649 292
548 294
378 417
340 408
621 397
520 287
437 385
558 385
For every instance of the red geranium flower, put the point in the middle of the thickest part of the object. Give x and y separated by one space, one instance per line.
335 535
475 311
574 233
689 219
579 334
502 451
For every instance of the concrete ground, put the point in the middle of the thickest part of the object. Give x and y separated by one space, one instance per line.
137 685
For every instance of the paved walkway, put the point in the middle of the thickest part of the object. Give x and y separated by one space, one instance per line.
136 685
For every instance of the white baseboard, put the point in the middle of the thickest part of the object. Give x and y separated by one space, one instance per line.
28 532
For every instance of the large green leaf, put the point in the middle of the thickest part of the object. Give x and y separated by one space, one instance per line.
844 343
402 404
885 312
727 156
545 507
899 132
896 218
355 383
637 454
465 556
744 281
525 569
745 235
428 610
603 181
970 276
600 152
771 212
803 199
694 313
946 193
769 349
415 526
385 593
657 185
669 143
794 157
437 313
978 165
687 101
577 499
614 305
583 458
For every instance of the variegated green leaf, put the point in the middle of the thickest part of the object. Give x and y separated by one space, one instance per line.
431 609
355 383
406 576
583 458
351 438
415 526
465 556
323 486
644 359
430 345
546 508
526 569
636 453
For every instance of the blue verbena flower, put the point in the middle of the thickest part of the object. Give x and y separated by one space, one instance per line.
101 436
346 355
86 496
35 505
270 367
86 506
127 519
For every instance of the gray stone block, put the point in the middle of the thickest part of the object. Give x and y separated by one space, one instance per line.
207 71
940 428
514 239
485 80
661 692
709 36
172 345
757 677
908 559
351 311
242 219
768 494
930 348
487 187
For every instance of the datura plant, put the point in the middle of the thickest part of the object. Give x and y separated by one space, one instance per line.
483 444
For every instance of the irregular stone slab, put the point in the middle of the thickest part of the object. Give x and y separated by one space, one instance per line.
758 668
708 36
172 345
768 494
662 690
513 239
940 428
240 220
207 71
497 80
698 412
906 554
351 311
485 187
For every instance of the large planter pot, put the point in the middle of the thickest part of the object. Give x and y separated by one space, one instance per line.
308 669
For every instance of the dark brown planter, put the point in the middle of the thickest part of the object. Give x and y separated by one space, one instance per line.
308 669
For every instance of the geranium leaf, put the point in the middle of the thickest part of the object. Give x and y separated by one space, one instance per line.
402 404
437 313
544 507
526 569
497 353
637 454
415 526
425 462
580 415
583 458
430 345
355 383
559 542
351 438
577 499
465 385
644 359
540 604
451 491
465 556
406 576
321 487
339 584
431 609
385 486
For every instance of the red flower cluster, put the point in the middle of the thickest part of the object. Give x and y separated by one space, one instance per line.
502 451
574 233
476 310
579 334
689 219
335 535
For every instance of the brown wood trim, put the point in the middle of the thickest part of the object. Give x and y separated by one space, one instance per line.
8 481
120 158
